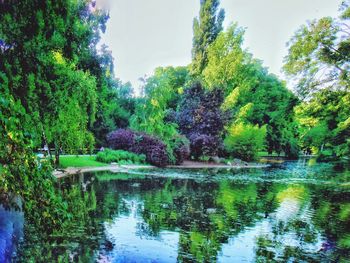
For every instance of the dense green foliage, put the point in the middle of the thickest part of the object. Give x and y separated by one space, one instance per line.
319 60
25 183
120 156
57 89
52 83
115 104
205 30
324 122
251 93
245 140
41 68
51 64
155 114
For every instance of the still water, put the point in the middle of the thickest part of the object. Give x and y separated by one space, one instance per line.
289 212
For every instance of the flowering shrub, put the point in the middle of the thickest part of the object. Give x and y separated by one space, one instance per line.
139 143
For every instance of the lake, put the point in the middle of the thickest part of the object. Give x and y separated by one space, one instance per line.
290 212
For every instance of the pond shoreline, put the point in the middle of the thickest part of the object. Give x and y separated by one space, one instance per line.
115 168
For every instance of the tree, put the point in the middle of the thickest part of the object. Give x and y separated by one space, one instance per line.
323 121
162 91
244 140
205 30
70 109
227 60
319 54
155 112
47 49
23 183
202 121
319 60
247 85
114 104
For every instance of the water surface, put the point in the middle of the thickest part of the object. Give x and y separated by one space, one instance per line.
290 212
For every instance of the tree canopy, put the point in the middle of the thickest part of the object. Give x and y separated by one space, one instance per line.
319 54
318 59
58 90
205 30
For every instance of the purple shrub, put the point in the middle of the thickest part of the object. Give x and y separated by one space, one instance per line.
204 145
153 148
121 139
139 143
157 155
201 119
181 153
143 141
181 149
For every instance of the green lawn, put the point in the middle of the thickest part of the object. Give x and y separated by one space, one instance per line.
79 161
263 154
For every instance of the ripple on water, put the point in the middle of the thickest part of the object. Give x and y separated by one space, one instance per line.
287 173
288 212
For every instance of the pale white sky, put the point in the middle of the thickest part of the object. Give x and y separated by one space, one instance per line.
146 34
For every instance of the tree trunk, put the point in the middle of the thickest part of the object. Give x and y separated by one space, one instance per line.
47 144
57 155
322 146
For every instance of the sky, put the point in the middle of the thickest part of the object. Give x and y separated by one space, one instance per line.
143 35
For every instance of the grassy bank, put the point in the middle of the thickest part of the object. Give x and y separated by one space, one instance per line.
266 154
79 161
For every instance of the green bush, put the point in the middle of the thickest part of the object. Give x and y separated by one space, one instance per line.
326 156
120 156
245 140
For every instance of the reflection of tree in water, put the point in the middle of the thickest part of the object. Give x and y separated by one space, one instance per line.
332 217
206 214
314 232
76 239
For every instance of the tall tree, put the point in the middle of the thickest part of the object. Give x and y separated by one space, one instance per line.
324 122
155 113
205 30
319 61
201 119
319 54
46 52
162 93
250 90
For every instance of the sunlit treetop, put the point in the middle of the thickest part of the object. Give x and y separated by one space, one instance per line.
319 54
